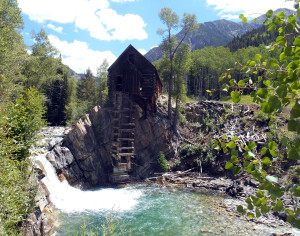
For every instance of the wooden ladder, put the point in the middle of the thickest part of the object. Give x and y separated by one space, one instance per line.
123 134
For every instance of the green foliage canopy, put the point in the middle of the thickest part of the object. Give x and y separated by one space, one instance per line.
162 162
24 119
170 43
280 75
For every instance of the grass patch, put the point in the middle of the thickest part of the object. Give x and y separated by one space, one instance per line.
245 99
188 99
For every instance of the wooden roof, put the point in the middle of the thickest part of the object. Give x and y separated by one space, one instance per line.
130 49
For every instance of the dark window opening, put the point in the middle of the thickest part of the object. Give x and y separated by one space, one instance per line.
119 84
131 58
118 99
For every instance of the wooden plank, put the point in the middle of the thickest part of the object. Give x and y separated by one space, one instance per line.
126 154
126 148
126 139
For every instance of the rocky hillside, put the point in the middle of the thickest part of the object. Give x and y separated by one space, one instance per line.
215 33
77 76
207 121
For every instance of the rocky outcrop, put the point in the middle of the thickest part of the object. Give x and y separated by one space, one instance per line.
83 156
42 220
152 135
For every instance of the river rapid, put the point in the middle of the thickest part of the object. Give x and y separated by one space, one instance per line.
144 209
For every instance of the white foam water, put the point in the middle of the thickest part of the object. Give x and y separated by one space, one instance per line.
69 199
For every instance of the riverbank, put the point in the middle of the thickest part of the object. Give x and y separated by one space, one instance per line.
43 220
235 191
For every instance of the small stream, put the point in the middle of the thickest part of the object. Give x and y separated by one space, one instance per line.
148 209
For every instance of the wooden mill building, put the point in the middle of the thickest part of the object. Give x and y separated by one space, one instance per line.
132 81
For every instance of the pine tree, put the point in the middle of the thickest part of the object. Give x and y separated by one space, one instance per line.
12 49
102 82
86 89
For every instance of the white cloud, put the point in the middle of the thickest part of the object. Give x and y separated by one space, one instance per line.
93 15
78 56
230 17
142 51
120 27
57 29
62 11
122 0
231 9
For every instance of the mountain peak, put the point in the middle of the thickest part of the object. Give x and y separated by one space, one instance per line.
216 33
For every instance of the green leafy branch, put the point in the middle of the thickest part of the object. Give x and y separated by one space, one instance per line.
281 85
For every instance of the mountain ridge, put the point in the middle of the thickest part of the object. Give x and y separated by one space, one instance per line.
215 33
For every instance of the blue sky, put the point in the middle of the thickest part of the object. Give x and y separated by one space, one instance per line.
88 31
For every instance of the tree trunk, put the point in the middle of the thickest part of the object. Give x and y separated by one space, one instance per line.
176 116
100 98
196 87
170 92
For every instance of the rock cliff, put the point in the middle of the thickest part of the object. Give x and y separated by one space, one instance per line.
83 157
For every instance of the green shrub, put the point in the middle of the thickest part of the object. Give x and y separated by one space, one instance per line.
182 119
191 150
261 116
19 123
24 118
293 175
162 162
209 152
17 195
200 154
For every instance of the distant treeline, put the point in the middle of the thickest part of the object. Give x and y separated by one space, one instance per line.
253 38
209 63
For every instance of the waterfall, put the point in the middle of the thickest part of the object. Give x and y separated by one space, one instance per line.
150 210
69 199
